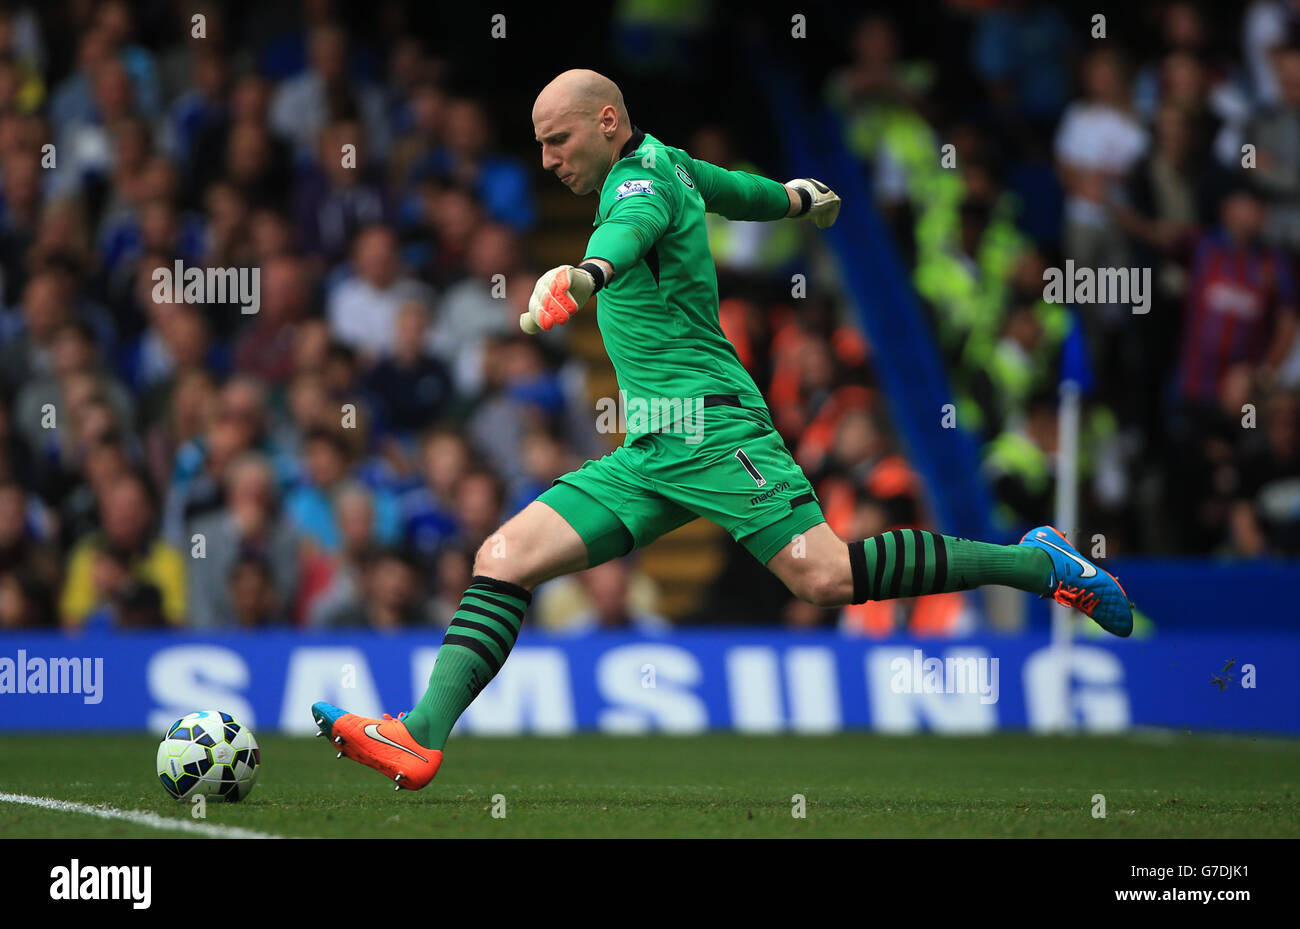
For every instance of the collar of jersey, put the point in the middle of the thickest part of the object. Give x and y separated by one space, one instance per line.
633 143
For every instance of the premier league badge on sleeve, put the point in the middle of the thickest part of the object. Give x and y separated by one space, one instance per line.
629 188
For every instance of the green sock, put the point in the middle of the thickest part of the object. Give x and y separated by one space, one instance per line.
911 562
482 632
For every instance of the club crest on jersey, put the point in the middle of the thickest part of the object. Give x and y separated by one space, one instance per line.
629 188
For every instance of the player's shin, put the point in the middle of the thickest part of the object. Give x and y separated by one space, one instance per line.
912 562
483 630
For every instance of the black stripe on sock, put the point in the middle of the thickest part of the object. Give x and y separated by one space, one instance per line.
507 607
505 587
858 567
918 571
876 586
475 646
481 611
488 631
900 555
940 562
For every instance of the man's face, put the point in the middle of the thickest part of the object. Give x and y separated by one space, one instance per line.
573 147
125 513
1243 217
1287 67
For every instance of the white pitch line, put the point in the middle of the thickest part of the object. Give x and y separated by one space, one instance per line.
139 817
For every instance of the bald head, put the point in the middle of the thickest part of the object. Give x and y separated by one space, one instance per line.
582 123
583 92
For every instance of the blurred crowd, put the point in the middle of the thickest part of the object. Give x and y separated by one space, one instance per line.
1009 138
335 459
332 460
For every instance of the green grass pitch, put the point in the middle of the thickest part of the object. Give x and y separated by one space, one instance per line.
1158 784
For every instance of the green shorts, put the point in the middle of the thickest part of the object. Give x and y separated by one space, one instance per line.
735 471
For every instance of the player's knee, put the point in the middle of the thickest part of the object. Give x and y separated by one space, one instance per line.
821 587
492 558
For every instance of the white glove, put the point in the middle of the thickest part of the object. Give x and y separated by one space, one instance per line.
558 294
825 202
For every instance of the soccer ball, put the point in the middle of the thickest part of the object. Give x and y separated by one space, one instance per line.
208 753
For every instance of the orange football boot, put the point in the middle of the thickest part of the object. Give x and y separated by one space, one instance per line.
383 744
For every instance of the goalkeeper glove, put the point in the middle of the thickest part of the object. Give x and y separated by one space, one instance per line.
559 293
819 201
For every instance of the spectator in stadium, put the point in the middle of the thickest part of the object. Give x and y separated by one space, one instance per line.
29 565
24 604
304 105
127 545
102 460
28 353
1171 192
521 392
1269 25
411 387
265 348
473 309
453 572
310 506
339 193
226 238
423 138
449 217
73 97
239 424
1098 144
1018 462
335 588
468 160
608 586
308 407
255 602
1241 300
73 357
1022 52
21 206
478 506
1265 517
184 344
249 527
362 310
429 510
394 597
192 403
261 171
389 598
201 106
1275 131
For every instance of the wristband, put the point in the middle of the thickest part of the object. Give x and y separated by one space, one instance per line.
806 199
596 271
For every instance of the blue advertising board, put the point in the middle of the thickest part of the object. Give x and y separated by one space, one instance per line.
684 682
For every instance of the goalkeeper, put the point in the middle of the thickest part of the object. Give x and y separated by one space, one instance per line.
658 313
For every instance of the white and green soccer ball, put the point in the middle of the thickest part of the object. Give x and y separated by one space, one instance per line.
210 753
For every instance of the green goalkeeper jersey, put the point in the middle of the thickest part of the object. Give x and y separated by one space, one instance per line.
659 315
